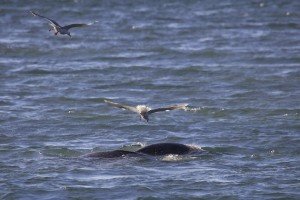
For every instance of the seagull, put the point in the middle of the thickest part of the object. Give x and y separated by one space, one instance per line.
63 30
144 111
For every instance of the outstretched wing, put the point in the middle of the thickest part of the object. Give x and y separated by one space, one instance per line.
133 109
173 107
50 20
78 25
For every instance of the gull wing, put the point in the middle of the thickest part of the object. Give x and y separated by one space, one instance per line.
131 108
50 20
77 25
173 107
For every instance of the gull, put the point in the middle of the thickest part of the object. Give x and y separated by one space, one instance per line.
63 30
144 111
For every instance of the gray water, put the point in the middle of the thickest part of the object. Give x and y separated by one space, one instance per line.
237 64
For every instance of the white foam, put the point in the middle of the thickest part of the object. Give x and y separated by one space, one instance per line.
172 157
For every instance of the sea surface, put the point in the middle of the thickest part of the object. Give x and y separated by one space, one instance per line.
236 63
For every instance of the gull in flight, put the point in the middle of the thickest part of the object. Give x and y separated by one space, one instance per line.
63 30
145 111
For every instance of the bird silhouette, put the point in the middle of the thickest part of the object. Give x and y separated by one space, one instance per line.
63 30
144 111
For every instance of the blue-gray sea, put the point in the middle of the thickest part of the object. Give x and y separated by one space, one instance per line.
236 63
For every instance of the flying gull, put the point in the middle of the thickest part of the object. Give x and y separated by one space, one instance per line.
63 30
145 111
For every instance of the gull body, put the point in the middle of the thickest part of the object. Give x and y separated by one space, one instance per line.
143 110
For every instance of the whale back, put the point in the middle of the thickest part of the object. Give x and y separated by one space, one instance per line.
165 149
110 154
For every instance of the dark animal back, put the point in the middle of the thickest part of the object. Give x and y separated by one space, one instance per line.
165 149
110 154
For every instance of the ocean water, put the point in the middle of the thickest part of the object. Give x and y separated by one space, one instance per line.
236 63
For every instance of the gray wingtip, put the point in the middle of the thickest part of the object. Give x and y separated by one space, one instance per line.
108 101
33 13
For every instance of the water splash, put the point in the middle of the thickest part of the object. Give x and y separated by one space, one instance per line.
193 109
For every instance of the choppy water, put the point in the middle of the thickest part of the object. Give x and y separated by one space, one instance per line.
237 63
